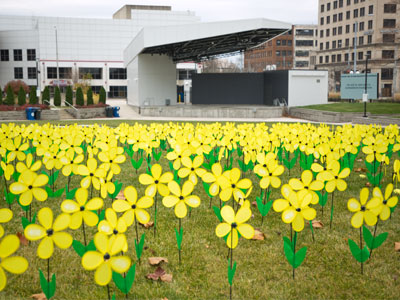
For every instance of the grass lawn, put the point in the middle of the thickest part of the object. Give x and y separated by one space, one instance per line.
373 108
328 272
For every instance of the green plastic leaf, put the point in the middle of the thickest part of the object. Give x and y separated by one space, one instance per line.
49 191
217 212
15 176
25 222
9 197
179 236
52 286
239 151
113 297
124 284
118 187
207 188
368 237
242 165
80 249
379 240
156 155
137 164
71 194
292 162
263 208
58 193
361 255
323 198
48 288
101 215
288 249
139 247
299 257
231 272
53 177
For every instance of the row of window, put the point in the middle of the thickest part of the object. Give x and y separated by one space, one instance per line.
19 73
338 57
338 4
17 54
339 30
338 44
95 73
284 42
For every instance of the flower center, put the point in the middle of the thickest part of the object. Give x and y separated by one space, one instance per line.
233 225
91 174
385 201
133 206
264 165
181 198
30 187
115 231
363 208
156 181
106 256
233 186
298 209
192 169
336 177
270 174
54 157
306 187
72 161
82 208
50 232
110 160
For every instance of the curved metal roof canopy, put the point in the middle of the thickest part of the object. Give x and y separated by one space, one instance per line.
196 42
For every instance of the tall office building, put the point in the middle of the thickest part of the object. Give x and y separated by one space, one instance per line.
351 30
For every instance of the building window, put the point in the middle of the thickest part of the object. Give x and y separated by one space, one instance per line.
388 37
327 32
361 26
283 42
328 7
96 89
117 92
328 20
278 63
347 28
355 13
371 10
339 30
4 55
370 22
369 55
322 21
335 4
352 56
289 53
17 54
32 73
321 33
355 1
96 73
321 59
302 53
31 54
334 19
348 2
360 55
387 54
65 73
322 8
308 43
362 11
289 42
340 17
327 45
346 57
305 32
118 73
333 44
361 40
334 31
284 53
387 74
389 23
321 46
339 44
340 3
51 73
278 42
333 57
389 8
370 39
301 64
347 42
354 27
18 73
327 59
347 15
278 53
339 58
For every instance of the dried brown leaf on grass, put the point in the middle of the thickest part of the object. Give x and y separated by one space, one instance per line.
22 239
40 296
147 225
160 274
397 246
258 235
154 261
317 224
120 196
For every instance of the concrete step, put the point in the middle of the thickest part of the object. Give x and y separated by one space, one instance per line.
65 115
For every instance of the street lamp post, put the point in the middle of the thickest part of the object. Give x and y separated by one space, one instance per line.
365 96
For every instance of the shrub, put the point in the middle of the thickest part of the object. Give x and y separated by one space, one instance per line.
10 100
102 95
57 97
46 95
21 96
89 97
1 96
16 85
79 97
69 95
32 96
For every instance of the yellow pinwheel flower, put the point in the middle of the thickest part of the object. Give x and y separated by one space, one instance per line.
12 264
364 210
50 232
233 224
132 208
104 260
263 159
111 225
5 217
30 165
8 170
82 209
28 186
112 158
156 181
192 168
106 185
177 155
71 162
52 158
180 198
387 202
269 173
233 185
334 177
17 147
92 173
295 207
214 177
307 183
375 147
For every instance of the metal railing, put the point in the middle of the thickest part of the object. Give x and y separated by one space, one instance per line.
69 105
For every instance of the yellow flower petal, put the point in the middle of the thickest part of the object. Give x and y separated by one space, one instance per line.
81 196
117 243
353 205
308 213
246 230
385 213
34 232
90 218
166 177
280 205
242 215
364 194
174 188
145 202
120 264
91 260
40 180
94 204
120 205
105 227
296 184
18 188
228 214
129 217
330 186
192 201
222 229
5 215
142 215
76 220
180 209
288 215
3 279
69 206
184 172
156 171
226 194
275 182
62 222
46 248
388 190
244 183
130 194
62 240
341 185
370 218
101 242
298 222
232 239
8 246
357 219
146 179
103 274
170 201
15 264
39 194
45 217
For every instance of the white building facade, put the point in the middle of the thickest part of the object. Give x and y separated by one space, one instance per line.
78 46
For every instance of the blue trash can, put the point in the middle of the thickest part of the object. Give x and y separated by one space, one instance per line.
30 113
116 111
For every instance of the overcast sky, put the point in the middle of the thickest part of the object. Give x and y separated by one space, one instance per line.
292 11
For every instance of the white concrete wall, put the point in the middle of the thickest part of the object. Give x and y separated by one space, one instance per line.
152 79
308 87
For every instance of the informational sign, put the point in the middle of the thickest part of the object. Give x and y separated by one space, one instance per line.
60 82
353 86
